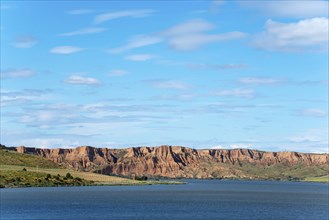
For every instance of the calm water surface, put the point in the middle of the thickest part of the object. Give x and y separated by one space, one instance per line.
199 199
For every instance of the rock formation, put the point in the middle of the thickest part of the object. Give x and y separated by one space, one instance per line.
175 161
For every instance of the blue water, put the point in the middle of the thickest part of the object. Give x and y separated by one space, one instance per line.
199 199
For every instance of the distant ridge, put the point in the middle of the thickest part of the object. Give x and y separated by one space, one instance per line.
183 162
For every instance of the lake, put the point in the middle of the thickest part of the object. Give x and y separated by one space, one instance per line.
199 199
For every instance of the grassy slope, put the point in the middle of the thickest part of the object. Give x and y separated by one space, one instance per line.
13 158
12 164
273 172
279 171
21 178
321 179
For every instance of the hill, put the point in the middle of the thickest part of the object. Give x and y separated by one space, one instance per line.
22 170
182 162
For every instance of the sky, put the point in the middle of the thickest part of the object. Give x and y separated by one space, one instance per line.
200 74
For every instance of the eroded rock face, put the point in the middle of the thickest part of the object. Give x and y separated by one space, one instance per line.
172 161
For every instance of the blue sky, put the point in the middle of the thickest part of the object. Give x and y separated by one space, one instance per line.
201 74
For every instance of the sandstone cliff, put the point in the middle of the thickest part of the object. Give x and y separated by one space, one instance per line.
174 161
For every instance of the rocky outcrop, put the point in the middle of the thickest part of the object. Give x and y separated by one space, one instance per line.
173 161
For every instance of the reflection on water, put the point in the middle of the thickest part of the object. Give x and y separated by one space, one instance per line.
200 199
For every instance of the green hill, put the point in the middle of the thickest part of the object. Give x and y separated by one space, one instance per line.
9 157
25 170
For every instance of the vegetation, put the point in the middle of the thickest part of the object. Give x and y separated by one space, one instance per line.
281 172
297 172
8 157
11 178
141 178
321 179
24 170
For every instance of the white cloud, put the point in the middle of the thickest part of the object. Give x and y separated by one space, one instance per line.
190 35
314 112
176 97
215 5
303 35
120 14
233 146
84 31
49 143
139 57
136 42
215 66
186 36
218 147
17 73
243 93
258 80
80 11
313 140
25 42
14 97
65 50
302 139
79 80
189 27
241 146
290 8
118 72
167 84
189 42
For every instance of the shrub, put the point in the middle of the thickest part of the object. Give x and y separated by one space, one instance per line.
48 176
69 176
24 169
141 178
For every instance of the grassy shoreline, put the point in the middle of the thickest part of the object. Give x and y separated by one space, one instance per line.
40 172
14 176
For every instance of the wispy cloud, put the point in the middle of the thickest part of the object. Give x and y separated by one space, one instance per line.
90 30
187 36
215 5
313 112
167 84
65 50
25 42
23 96
315 139
295 9
118 72
309 34
17 73
242 93
92 115
231 108
197 66
176 97
139 57
121 14
79 80
303 139
136 42
80 11
191 35
259 80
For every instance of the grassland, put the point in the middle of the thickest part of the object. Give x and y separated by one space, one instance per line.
8 157
321 179
42 172
24 178
297 172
